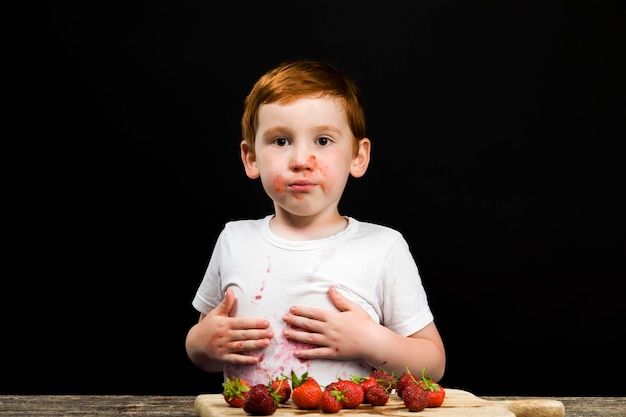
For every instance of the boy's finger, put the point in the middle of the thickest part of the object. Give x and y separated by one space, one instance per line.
341 302
227 303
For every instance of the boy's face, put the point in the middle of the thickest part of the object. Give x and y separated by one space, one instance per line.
304 155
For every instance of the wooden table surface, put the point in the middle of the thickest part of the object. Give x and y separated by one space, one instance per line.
183 406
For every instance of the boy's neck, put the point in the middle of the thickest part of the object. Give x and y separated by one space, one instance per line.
290 227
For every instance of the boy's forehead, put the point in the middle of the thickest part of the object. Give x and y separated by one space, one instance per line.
326 103
303 113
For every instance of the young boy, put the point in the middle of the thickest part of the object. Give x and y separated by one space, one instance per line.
307 289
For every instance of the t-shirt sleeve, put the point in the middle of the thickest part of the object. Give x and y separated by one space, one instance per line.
210 293
405 307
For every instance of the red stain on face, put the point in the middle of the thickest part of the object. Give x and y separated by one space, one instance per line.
279 184
307 169
328 184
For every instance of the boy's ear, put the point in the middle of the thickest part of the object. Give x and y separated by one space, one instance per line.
249 160
362 159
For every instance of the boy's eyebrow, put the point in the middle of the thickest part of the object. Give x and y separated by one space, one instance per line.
279 129
328 127
274 129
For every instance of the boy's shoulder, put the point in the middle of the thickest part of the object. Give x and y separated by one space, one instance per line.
245 221
376 228
245 224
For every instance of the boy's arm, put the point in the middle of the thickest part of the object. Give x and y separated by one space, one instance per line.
423 349
351 334
218 338
199 355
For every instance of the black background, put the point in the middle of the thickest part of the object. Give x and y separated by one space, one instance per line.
496 129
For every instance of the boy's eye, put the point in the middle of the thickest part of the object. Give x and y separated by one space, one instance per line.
280 141
323 141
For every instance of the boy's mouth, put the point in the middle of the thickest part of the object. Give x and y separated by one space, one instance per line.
301 186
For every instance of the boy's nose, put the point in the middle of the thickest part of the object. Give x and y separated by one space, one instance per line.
301 159
302 162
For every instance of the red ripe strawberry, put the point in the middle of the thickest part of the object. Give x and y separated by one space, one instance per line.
365 383
332 400
415 398
280 385
436 397
404 381
386 379
260 401
235 391
353 393
376 395
305 392
436 393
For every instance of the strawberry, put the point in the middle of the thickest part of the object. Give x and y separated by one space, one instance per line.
260 401
404 381
415 398
235 391
436 393
305 392
365 383
280 385
332 400
376 395
436 397
353 393
387 379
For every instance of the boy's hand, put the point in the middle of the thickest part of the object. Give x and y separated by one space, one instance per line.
335 335
228 337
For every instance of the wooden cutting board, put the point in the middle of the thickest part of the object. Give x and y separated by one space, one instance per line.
458 403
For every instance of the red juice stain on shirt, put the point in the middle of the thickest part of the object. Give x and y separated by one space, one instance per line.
258 296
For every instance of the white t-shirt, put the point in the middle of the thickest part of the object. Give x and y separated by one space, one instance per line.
370 264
